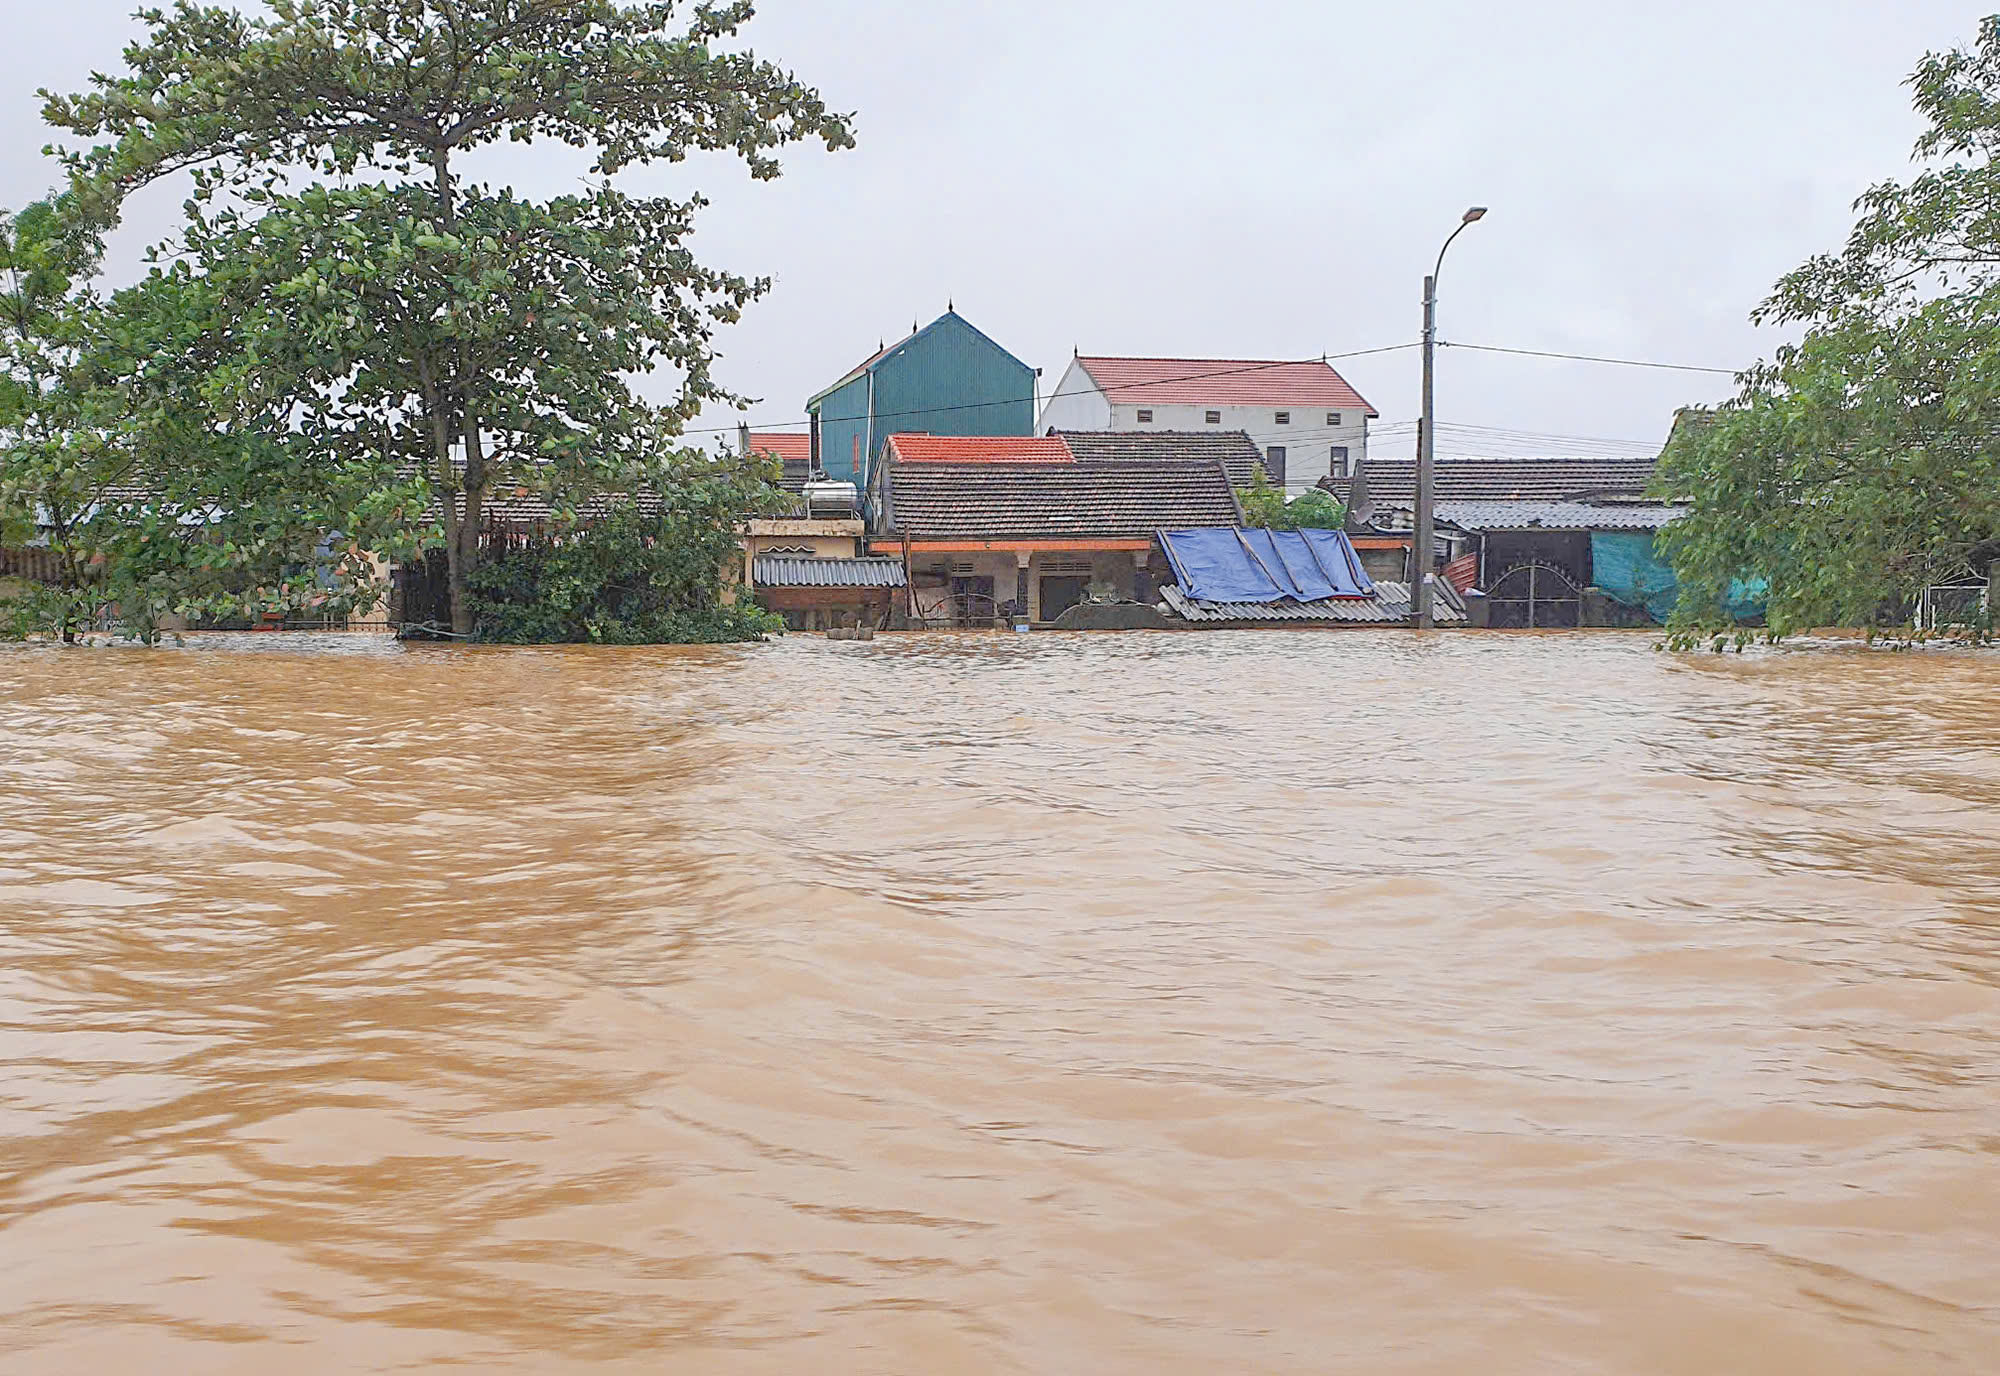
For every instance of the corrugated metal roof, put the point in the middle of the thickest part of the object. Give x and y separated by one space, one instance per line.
1478 516
1389 607
798 571
1486 517
1393 482
1223 382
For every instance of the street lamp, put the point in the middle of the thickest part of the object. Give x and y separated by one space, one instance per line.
1422 538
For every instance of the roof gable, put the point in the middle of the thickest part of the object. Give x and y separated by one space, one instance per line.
951 319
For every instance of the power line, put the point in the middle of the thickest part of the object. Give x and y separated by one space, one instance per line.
1541 436
1591 358
1016 401
1499 436
770 426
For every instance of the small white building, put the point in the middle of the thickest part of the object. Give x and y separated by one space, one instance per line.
1304 417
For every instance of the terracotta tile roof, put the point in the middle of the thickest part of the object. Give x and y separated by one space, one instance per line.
1056 501
1223 382
1234 450
1393 482
979 449
793 450
796 447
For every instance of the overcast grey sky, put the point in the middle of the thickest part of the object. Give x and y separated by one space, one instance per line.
1264 179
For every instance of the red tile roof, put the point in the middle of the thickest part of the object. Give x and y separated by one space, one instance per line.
786 445
980 449
1223 382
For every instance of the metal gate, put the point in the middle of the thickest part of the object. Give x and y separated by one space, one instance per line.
1534 596
1966 605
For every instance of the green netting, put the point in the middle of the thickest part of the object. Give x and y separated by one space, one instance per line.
1625 565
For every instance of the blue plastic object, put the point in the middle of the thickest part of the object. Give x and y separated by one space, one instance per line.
1266 565
1629 569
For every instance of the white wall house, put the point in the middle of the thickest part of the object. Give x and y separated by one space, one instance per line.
1304 417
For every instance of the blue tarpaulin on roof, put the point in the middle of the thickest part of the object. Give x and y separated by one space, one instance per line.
1265 565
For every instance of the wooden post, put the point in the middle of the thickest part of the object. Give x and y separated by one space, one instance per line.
909 584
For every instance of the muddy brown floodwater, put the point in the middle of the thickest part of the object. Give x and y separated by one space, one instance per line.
1126 1004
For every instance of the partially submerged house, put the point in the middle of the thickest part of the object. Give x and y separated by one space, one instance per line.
945 379
1285 578
1532 534
822 592
1306 421
810 564
992 528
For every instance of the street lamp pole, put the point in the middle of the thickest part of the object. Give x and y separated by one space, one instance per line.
1423 537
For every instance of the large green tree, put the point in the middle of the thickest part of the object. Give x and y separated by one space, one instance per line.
131 457
54 470
412 321
1863 463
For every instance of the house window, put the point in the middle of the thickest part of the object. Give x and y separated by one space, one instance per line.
1274 464
1338 467
1215 417
1145 418
1333 417
1284 417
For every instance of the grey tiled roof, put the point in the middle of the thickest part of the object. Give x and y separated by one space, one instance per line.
1393 482
796 571
1233 449
1112 500
1389 607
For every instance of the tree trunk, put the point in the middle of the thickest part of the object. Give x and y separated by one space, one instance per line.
475 519
68 580
463 559
455 570
463 543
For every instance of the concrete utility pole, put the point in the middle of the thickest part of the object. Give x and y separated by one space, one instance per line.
1422 538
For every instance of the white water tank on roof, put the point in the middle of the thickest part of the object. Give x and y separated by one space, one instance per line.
831 500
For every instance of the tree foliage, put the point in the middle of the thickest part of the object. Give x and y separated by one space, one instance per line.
384 355
642 571
1862 464
53 470
1264 505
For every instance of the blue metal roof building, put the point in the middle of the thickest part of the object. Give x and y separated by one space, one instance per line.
946 379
